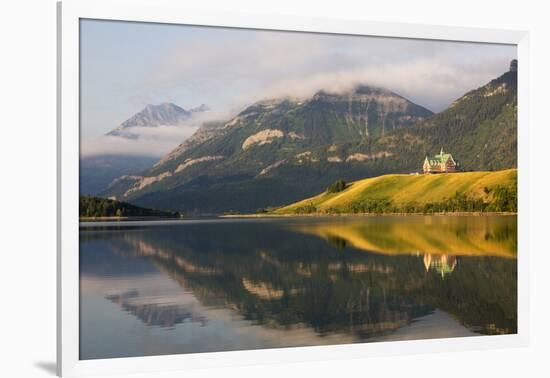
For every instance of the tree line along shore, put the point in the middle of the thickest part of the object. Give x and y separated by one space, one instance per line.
95 208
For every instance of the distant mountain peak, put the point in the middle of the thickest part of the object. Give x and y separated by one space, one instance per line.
163 114
163 106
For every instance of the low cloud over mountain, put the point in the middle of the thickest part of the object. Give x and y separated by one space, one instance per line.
153 131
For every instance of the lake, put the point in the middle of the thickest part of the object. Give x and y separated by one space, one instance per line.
170 287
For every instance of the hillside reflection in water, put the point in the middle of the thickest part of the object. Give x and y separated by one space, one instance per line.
199 286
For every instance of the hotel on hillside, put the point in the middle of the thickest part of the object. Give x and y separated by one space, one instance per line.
441 163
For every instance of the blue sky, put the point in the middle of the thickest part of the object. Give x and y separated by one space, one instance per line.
127 65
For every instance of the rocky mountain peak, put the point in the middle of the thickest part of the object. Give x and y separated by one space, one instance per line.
163 114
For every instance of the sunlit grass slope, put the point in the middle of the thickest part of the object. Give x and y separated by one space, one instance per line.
415 193
459 236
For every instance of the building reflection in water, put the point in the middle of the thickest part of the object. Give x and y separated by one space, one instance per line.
442 264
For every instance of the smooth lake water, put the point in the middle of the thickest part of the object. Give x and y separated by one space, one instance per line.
152 288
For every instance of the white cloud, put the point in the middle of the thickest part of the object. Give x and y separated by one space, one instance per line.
429 82
244 69
151 141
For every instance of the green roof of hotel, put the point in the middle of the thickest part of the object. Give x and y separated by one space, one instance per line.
442 157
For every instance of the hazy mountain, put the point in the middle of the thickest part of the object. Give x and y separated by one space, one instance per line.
279 151
98 171
164 114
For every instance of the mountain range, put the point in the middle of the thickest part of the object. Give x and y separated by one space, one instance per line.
282 150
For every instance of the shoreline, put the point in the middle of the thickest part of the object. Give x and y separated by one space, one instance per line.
124 219
316 215
453 214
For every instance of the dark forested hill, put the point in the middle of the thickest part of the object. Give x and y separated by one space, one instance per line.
479 129
94 207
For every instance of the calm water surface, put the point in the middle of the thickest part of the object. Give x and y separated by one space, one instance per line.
150 288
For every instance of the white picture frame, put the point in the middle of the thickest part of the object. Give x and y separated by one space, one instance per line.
69 14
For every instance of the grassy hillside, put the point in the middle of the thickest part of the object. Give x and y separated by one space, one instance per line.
465 191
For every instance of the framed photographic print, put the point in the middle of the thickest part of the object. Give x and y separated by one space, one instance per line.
240 189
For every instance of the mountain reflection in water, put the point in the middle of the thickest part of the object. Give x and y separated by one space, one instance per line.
243 284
